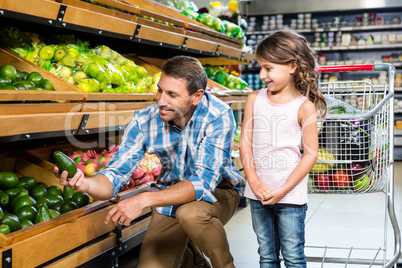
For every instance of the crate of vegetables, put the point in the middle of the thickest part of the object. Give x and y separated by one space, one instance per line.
21 80
94 159
32 200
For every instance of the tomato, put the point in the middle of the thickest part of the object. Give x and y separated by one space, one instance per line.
341 179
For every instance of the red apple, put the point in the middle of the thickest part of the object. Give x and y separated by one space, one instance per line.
322 182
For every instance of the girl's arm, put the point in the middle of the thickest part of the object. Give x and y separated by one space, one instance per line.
260 189
308 121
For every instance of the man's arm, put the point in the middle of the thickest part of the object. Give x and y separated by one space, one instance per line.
127 210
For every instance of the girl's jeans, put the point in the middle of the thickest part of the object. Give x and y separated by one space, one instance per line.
279 227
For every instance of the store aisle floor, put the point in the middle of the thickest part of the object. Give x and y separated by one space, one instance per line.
335 221
332 220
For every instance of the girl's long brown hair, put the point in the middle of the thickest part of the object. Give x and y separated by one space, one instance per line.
286 46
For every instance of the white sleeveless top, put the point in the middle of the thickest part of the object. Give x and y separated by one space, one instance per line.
277 139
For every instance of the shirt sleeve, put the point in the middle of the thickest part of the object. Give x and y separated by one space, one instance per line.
213 156
127 158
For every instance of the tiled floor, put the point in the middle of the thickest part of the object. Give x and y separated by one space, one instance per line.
335 221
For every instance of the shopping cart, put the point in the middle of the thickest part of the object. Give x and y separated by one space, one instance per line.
356 151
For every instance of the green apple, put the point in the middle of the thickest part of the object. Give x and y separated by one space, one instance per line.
362 183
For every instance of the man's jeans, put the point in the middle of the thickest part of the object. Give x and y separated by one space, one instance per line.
279 227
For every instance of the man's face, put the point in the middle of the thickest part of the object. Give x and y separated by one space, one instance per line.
175 103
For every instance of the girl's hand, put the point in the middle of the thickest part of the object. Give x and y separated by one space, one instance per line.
261 190
274 197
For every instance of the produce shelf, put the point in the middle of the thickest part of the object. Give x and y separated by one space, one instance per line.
63 91
35 108
70 14
22 167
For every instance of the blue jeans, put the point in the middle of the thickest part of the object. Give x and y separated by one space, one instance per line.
279 227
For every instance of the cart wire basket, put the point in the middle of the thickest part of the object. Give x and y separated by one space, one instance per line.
356 148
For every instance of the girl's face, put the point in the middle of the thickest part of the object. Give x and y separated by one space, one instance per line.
278 77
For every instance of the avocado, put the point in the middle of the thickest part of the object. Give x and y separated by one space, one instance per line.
23 192
8 180
68 193
57 206
23 201
4 229
53 199
13 192
4 200
43 214
81 199
54 213
26 212
68 206
12 221
38 191
65 163
53 189
26 223
29 182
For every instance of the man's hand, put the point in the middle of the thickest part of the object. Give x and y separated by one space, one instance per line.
77 183
127 210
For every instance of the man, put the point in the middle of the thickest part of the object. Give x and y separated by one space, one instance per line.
199 187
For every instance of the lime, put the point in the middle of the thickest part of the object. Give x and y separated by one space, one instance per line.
47 85
8 71
46 53
36 78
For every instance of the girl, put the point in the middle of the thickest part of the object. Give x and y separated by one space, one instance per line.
278 120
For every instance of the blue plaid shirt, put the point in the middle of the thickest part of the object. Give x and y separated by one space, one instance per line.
201 152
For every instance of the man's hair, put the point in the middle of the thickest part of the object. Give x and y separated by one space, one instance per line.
188 68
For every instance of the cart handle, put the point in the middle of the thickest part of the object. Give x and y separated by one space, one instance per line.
345 68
